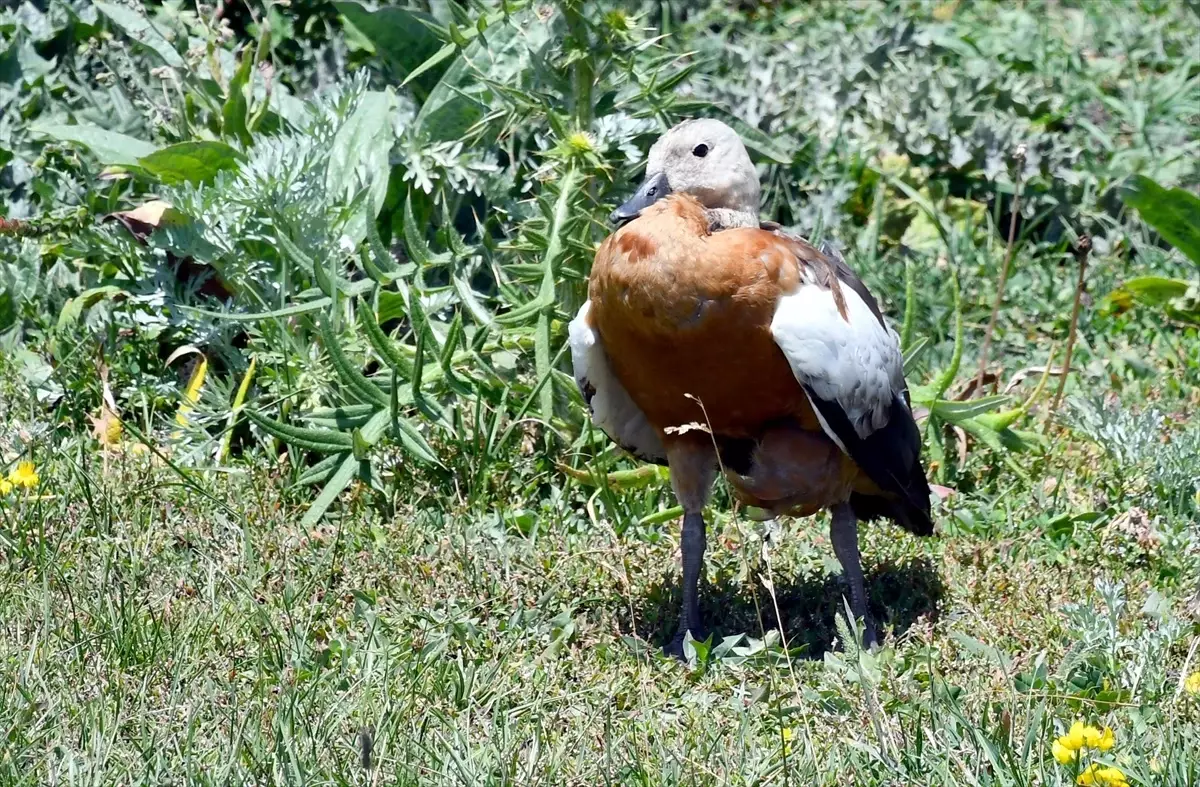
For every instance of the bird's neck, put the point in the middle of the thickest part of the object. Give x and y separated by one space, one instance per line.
729 218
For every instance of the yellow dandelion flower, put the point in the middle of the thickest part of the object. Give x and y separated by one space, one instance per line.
1192 684
1101 776
5 486
1061 753
1098 739
25 474
1073 740
788 735
1085 736
1115 777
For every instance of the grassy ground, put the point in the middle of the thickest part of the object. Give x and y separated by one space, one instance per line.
156 635
191 602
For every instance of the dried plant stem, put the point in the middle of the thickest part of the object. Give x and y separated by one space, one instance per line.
1008 254
1082 250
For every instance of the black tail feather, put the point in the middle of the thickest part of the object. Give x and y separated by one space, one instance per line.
890 457
913 518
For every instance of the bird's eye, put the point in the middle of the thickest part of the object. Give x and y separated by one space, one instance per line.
650 192
700 151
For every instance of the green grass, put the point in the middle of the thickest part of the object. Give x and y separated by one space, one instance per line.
162 637
434 589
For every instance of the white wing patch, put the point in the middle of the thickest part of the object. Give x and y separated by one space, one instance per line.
613 410
856 362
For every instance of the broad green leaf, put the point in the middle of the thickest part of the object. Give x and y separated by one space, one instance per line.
470 300
1178 298
340 479
445 53
326 441
362 448
1174 213
1156 290
287 311
620 479
414 442
109 147
359 157
404 39
350 373
73 309
374 429
922 235
391 306
1003 419
980 432
235 109
39 375
352 416
1184 310
927 209
321 471
458 102
191 162
142 30
659 517
1022 439
8 310
955 411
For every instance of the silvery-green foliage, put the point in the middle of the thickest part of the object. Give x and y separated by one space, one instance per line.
1146 448
963 94
282 183
450 165
1131 661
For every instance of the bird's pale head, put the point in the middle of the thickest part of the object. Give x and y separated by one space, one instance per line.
704 158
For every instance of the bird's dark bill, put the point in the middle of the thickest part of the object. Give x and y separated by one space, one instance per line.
652 190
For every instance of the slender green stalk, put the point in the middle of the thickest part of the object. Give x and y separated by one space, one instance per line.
1008 254
550 265
910 305
1082 250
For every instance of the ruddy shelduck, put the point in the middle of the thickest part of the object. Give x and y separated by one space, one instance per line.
713 343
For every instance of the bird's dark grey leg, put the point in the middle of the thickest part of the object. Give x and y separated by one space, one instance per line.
691 545
693 468
843 531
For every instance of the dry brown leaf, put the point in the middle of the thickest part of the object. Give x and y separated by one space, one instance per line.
143 220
